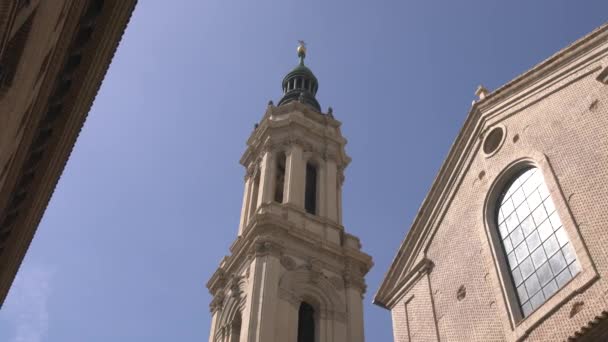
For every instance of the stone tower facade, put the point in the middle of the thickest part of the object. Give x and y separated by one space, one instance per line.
294 274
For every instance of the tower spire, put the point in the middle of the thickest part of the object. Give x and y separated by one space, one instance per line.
300 84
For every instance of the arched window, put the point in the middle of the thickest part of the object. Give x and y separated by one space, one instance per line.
306 323
235 328
280 178
310 198
254 194
540 256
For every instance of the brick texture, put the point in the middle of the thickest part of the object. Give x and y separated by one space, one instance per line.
564 123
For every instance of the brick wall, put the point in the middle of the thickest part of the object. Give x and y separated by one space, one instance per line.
563 128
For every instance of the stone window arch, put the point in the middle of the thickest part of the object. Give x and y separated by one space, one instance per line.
539 255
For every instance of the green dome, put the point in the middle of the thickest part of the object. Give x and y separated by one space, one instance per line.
300 84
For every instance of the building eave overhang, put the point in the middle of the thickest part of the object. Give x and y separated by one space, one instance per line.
57 115
466 142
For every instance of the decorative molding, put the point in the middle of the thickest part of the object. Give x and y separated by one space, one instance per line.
59 118
288 263
216 303
263 247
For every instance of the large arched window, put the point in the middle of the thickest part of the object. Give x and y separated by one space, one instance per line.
540 256
280 178
306 323
254 194
310 197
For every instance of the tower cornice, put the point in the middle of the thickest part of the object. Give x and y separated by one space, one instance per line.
271 230
294 124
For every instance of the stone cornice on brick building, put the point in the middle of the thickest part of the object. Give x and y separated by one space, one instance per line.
77 66
514 96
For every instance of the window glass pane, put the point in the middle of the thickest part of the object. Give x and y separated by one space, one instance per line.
545 230
563 278
509 245
528 225
532 285
551 245
518 197
521 252
537 300
503 230
533 241
534 200
522 211
555 221
544 274
562 237
527 268
549 207
517 236
575 267
512 260
550 289
540 256
557 262
568 253
517 279
523 294
539 214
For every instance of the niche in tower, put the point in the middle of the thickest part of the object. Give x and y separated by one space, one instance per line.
310 197
280 178
306 323
235 328
254 195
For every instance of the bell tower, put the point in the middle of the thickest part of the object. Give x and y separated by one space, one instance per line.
294 274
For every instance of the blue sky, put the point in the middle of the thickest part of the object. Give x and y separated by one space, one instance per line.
150 199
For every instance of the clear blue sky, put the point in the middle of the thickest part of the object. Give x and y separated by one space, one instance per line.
150 199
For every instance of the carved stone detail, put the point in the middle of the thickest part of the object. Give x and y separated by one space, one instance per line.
216 303
288 263
263 247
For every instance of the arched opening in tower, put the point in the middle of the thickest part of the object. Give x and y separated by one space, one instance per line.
254 195
310 198
280 178
306 323
235 328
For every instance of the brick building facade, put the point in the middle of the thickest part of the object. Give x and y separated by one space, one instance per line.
510 242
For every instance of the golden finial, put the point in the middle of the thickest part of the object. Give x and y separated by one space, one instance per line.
301 50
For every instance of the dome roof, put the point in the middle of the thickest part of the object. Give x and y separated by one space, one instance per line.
300 84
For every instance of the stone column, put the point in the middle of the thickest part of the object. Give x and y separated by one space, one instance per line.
322 190
259 314
295 172
216 305
267 179
245 207
287 320
331 171
355 287
340 176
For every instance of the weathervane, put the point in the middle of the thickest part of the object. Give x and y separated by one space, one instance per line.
301 50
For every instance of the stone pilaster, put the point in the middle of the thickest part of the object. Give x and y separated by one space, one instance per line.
245 207
262 293
267 178
295 172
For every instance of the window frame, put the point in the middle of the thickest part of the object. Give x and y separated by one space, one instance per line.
522 325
